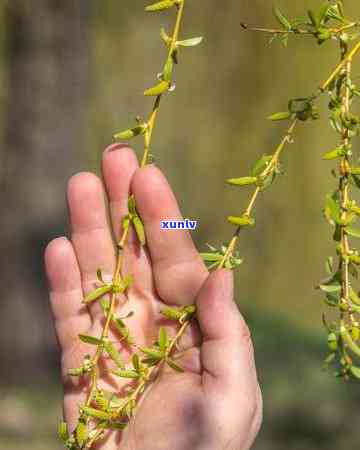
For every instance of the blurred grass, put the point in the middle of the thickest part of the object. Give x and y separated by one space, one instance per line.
304 408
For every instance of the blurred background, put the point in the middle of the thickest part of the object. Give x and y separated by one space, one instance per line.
71 74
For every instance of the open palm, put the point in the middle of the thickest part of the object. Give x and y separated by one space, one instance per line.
216 403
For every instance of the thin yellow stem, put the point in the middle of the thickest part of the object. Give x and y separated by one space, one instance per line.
105 332
272 164
297 31
347 58
344 188
152 119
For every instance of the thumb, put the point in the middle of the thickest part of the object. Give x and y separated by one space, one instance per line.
227 351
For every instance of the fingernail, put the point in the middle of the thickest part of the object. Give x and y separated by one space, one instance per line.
117 146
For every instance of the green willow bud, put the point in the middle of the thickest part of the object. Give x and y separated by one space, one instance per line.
140 230
282 19
154 353
63 431
96 413
188 313
130 133
171 363
159 89
161 6
101 400
168 70
123 330
244 181
352 231
114 354
77 372
355 259
334 154
171 313
190 42
355 170
126 374
333 342
92 340
355 332
81 433
285 115
242 221
125 223
346 336
165 37
95 295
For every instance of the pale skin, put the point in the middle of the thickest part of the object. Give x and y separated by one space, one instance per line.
216 403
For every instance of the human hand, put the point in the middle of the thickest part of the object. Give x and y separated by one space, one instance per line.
216 403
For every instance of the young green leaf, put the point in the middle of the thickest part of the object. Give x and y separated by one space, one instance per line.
121 285
168 70
285 115
322 16
101 401
173 313
282 19
329 265
92 340
330 288
97 293
333 342
188 313
163 339
355 170
352 231
193 42
355 259
244 181
151 361
174 366
153 353
338 152
136 362
241 221
139 229
114 354
77 372
123 330
132 374
165 37
96 413
130 133
261 165
132 205
159 89
160 6
63 431
332 208
211 257
349 341
355 371
81 433
313 19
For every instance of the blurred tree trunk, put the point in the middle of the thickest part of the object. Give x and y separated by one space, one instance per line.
47 65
